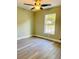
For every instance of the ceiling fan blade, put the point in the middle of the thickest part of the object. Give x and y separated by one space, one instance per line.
32 8
28 4
41 8
44 5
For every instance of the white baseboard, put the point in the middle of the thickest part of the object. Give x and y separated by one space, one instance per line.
56 40
19 38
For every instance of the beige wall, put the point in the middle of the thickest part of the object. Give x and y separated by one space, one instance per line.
24 22
39 22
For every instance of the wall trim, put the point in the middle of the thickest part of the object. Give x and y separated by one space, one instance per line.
19 38
59 41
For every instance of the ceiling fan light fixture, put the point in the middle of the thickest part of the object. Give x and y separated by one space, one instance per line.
37 4
37 7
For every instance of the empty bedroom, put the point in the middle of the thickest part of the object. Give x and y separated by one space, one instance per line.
39 29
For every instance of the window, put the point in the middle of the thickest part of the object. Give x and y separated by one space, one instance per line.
49 23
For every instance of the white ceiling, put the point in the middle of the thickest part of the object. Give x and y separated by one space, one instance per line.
20 3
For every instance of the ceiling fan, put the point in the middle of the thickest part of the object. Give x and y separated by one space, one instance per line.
37 5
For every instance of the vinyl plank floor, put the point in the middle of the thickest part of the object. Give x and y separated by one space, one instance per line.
37 48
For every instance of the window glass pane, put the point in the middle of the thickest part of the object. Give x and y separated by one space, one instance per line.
49 25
